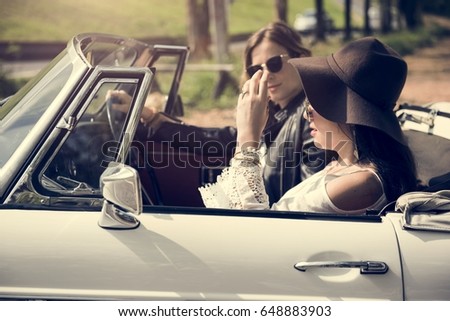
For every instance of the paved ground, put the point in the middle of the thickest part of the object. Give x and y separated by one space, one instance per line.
429 75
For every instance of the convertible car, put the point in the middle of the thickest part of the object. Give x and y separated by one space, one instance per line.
89 213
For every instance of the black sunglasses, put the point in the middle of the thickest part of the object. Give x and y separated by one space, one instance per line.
273 64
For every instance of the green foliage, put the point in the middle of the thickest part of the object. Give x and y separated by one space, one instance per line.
406 42
197 88
247 16
197 91
60 20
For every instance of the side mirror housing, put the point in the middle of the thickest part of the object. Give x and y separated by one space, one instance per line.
121 189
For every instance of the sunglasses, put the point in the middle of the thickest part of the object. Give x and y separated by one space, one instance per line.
273 64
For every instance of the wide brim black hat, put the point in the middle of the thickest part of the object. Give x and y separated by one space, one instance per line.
359 84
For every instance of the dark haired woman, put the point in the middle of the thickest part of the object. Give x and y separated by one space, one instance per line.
289 153
353 117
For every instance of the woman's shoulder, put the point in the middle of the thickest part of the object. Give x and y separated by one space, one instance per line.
355 188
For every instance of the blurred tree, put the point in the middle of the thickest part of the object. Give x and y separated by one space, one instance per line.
198 36
319 32
367 28
412 11
218 17
348 21
385 16
218 13
281 8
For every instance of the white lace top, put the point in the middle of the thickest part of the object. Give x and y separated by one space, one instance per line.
240 186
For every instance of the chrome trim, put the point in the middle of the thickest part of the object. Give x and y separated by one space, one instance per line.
121 189
67 124
366 267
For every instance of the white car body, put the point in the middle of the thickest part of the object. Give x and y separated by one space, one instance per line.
197 257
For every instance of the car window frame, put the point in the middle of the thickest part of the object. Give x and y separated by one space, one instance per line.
38 194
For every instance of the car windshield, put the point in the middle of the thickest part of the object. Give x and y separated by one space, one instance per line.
21 112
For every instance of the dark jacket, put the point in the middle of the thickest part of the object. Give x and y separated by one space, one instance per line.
291 155
287 139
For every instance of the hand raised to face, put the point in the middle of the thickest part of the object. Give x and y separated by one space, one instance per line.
251 111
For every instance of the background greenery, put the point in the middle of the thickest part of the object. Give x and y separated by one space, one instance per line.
59 20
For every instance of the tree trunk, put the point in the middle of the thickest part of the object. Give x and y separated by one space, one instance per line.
385 16
320 25
218 20
367 29
281 8
348 21
412 11
198 35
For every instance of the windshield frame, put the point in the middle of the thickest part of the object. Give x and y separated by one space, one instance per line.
65 69
82 55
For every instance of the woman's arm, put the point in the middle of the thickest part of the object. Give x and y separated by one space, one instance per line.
355 191
241 185
252 111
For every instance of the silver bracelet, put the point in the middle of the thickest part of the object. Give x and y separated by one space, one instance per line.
248 155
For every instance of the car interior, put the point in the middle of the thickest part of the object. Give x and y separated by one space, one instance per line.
171 174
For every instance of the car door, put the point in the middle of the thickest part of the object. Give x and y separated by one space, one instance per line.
178 157
196 254
424 256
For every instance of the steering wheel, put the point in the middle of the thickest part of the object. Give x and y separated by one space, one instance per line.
115 117
147 175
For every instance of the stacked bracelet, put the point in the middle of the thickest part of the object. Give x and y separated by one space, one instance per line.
249 155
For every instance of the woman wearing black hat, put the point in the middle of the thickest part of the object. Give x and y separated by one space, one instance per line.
350 96
289 153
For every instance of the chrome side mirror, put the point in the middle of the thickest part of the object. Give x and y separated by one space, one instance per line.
121 189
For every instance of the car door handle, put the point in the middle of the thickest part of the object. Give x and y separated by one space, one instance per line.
365 267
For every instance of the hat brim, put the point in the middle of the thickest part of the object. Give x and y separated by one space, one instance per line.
335 101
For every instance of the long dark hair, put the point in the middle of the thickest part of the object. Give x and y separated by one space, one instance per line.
279 33
393 161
